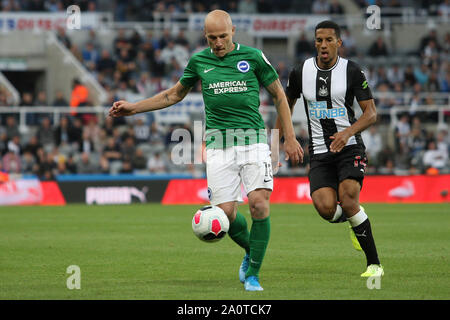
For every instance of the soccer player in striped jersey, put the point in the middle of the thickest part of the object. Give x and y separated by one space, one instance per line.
329 84
236 141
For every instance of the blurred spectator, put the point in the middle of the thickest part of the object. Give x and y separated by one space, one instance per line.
177 52
112 151
33 146
28 101
106 64
90 53
79 96
126 166
104 165
283 73
157 65
320 7
62 131
11 127
141 131
374 144
402 130
41 101
142 62
14 145
336 7
395 74
164 39
445 83
431 36
156 136
303 48
264 6
92 129
181 40
416 142
444 9
11 162
378 48
3 143
47 167
87 144
410 78
156 164
46 134
128 147
121 42
85 166
434 157
247 7
432 84
348 43
60 101
71 166
430 53
421 74
28 163
139 161
76 132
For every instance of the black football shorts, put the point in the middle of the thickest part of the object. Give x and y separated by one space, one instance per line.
330 169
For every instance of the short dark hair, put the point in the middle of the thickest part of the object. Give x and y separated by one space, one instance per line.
328 24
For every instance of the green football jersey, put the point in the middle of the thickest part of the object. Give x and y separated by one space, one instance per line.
230 88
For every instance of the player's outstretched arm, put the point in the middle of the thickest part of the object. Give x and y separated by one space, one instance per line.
293 150
161 100
368 117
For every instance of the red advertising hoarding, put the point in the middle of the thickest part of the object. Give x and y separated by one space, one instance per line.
383 189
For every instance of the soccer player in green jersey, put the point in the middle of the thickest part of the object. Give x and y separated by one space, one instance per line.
237 149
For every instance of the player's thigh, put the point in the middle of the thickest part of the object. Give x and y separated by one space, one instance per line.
223 177
351 164
255 167
230 208
322 174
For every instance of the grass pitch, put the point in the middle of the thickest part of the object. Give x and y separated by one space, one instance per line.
149 252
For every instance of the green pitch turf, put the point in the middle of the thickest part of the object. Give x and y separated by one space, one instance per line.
150 252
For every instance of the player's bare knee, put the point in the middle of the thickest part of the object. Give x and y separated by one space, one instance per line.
349 202
259 209
326 211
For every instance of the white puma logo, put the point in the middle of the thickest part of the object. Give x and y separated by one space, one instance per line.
362 234
324 80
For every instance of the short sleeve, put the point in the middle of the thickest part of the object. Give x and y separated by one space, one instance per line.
359 83
294 88
265 72
190 75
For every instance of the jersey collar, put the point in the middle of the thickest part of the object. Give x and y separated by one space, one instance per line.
237 47
334 66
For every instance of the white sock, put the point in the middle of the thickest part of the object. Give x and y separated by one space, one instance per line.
337 214
358 218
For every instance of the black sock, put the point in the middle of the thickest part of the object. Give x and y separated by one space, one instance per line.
364 235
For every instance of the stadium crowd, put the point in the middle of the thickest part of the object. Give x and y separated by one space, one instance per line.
148 10
140 66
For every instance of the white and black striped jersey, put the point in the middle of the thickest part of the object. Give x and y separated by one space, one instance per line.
328 96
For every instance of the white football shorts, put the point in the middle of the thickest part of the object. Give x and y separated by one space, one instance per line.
227 168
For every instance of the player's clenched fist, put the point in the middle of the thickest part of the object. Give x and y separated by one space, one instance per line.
122 108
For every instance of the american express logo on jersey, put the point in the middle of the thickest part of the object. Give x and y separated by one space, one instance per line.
228 86
319 110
